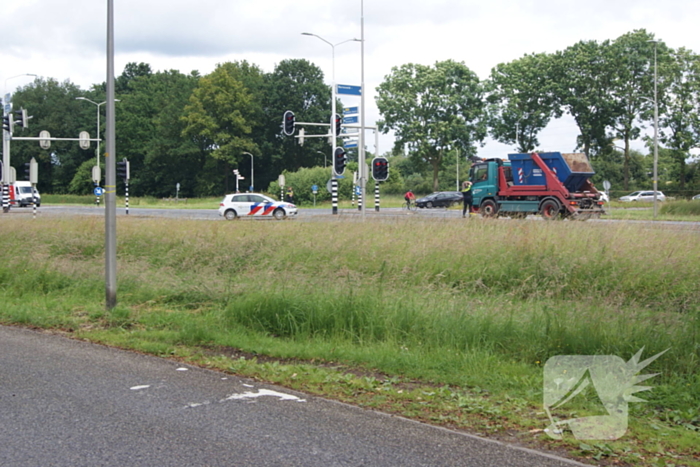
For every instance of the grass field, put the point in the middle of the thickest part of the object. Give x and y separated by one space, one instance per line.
445 321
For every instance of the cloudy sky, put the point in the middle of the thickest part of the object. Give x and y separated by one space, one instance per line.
66 40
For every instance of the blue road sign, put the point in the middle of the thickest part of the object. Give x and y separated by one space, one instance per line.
349 89
99 191
350 144
314 188
350 110
348 120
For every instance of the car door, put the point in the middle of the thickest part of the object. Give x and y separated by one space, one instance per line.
260 206
241 204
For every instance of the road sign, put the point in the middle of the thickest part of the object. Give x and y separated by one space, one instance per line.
280 180
350 110
99 191
349 89
348 120
349 144
606 185
314 188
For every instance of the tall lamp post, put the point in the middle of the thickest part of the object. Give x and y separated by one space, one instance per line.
656 131
97 133
325 160
333 111
252 182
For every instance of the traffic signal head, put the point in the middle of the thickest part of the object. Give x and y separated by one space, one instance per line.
338 124
339 160
380 169
7 123
123 169
20 119
27 169
288 122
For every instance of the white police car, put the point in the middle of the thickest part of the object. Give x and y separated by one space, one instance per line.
254 205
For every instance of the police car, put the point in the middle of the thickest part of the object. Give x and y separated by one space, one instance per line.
254 205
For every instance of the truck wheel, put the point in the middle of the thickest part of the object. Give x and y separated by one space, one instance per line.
550 210
488 208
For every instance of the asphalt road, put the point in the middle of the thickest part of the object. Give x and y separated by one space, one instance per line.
70 403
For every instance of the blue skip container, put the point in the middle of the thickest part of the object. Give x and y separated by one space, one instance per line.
572 169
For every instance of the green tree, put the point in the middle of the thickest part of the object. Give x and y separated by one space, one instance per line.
220 117
521 102
149 133
582 79
433 110
295 85
679 124
632 59
54 108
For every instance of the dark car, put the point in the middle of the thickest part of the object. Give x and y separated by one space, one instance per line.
442 199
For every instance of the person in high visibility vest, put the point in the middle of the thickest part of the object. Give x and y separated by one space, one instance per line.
467 198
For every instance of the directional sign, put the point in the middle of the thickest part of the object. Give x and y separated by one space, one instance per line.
350 110
351 143
348 120
99 191
314 188
349 89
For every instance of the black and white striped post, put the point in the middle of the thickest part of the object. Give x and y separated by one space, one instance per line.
376 196
5 198
334 195
359 201
34 201
126 196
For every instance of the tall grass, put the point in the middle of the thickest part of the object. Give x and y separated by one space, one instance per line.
477 302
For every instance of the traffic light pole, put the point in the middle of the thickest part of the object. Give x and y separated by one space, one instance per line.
110 173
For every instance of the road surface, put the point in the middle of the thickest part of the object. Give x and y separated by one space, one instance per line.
70 403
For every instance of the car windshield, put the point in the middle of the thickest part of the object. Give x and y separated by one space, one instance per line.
636 193
25 190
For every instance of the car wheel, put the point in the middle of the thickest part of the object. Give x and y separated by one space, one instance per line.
429 204
550 210
488 208
230 215
279 214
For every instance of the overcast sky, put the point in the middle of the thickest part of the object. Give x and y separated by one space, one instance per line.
66 40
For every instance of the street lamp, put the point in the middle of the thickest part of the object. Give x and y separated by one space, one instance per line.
325 161
656 131
333 111
252 184
97 134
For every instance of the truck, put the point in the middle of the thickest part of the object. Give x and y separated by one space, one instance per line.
552 184
23 194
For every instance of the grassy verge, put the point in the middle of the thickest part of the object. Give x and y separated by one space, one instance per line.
447 322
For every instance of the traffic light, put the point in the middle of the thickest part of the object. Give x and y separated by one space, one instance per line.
380 169
27 169
123 169
7 123
288 122
339 161
21 119
338 124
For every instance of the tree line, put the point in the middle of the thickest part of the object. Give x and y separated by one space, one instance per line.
194 130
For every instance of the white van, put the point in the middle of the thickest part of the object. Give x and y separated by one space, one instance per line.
21 194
